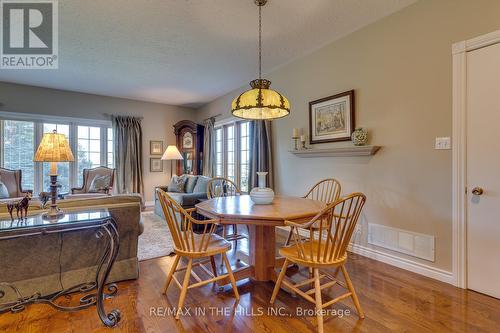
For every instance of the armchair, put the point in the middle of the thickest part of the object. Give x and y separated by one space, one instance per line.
12 181
89 175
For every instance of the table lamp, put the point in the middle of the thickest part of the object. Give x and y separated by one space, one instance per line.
171 154
53 148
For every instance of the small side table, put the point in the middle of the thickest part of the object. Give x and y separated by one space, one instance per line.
73 220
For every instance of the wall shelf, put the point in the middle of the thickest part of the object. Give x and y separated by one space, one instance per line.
337 152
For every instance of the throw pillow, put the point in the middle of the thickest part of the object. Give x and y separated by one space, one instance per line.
190 183
100 184
4 192
177 184
201 184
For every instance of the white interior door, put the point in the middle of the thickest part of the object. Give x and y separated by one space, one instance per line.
483 170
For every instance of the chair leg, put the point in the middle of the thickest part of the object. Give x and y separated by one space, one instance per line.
171 273
289 239
214 267
319 303
277 287
224 231
231 276
184 289
354 296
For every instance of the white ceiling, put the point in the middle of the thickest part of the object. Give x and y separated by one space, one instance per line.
188 52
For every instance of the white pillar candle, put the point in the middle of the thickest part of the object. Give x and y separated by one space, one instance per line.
295 133
302 138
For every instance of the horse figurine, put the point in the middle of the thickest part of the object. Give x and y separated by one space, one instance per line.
20 206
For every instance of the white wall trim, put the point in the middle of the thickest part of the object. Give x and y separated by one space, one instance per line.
393 260
459 152
406 264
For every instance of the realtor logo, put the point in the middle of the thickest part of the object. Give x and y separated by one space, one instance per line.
29 34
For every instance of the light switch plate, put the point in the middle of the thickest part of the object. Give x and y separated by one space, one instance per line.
443 143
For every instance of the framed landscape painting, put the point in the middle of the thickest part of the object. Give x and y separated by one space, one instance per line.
332 118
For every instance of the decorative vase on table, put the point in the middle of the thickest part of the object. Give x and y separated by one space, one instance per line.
262 195
359 137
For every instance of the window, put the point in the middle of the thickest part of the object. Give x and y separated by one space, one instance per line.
89 150
219 153
232 153
63 171
230 148
244 155
92 146
18 149
110 159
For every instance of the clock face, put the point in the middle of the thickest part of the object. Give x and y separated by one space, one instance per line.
187 140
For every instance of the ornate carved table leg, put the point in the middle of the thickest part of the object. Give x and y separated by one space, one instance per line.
112 318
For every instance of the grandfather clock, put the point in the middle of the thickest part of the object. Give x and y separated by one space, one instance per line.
190 144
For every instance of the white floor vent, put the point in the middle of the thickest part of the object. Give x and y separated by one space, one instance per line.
407 242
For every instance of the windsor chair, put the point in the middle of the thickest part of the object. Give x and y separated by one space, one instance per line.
193 246
223 187
326 247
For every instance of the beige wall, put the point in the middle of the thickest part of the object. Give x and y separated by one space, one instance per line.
157 123
401 70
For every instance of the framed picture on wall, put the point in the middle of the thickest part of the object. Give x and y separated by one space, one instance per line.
332 118
155 164
155 147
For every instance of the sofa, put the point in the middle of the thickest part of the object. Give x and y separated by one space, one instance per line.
195 189
33 263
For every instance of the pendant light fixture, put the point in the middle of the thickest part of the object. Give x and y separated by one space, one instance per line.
260 102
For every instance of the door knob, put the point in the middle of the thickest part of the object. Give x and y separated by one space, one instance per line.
477 191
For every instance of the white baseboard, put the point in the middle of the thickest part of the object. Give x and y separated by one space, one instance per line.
409 265
149 203
393 260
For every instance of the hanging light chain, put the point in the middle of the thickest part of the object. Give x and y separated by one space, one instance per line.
260 42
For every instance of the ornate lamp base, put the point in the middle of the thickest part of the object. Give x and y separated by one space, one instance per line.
54 213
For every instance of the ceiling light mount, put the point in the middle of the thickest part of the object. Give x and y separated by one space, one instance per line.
260 2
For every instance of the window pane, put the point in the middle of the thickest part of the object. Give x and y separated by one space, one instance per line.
244 156
18 150
111 157
60 128
230 132
95 133
83 132
83 145
62 168
94 145
89 150
95 158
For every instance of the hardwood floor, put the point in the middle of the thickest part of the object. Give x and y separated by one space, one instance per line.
394 300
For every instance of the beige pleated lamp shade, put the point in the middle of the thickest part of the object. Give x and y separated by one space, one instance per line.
172 153
54 148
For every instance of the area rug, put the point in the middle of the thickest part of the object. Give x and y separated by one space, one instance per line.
156 240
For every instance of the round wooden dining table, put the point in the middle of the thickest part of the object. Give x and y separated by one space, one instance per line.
262 221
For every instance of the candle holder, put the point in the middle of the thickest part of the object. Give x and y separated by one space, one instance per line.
296 142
